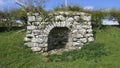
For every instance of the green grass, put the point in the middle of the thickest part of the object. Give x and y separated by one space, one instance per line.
14 55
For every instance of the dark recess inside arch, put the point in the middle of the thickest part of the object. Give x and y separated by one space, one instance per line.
58 38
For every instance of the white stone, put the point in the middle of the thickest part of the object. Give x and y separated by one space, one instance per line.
45 45
36 14
89 30
37 32
29 31
82 31
27 39
61 13
76 18
87 18
70 19
66 13
75 39
89 35
56 13
29 24
60 17
83 40
85 26
63 24
37 40
74 31
50 14
36 49
28 14
80 13
30 27
31 18
30 44
89 23
90 39
80 47
76 44
36 23
78 27
29 35
75 22
79 36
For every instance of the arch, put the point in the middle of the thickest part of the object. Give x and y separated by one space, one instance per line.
58 38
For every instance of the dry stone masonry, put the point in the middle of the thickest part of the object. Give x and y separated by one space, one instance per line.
60 31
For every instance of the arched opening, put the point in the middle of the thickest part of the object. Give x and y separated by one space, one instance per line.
58 38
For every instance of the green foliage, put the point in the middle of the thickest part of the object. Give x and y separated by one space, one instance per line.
116 14
97 16
69 8
92 51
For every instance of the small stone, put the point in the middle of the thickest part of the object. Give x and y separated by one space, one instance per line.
66 13
45 54
28 14
36 23
39 18
78 27
30 44
60 17
31 18
90 39
89 35
70 19
37 32
61 13
29 31
83 40
89 23
75 39
89 30
76 44
79 36
85 26
74 31
27 39
37 40
43 45
36 14
30 27
87 18
76 18
82 31
29 35
36 49
79 47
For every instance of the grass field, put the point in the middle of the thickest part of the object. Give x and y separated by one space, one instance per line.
14 55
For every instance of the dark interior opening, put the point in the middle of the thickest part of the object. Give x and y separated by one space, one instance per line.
58 38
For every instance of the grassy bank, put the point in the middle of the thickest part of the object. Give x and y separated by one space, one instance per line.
14 55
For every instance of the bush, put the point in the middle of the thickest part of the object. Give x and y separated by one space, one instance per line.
97 16
69 8
92 51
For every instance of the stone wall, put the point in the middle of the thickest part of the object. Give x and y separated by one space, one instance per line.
41 34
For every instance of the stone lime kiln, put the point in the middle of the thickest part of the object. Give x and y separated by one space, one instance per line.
60 31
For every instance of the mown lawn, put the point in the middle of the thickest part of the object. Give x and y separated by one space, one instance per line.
14 55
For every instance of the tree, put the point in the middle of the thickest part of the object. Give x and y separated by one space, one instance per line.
31 4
